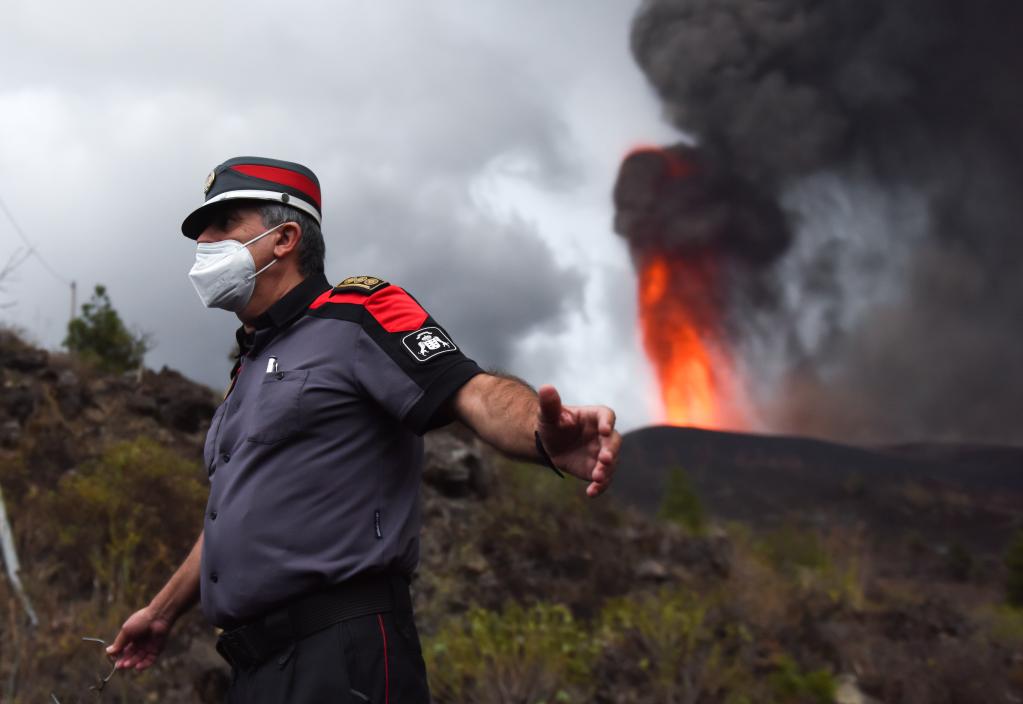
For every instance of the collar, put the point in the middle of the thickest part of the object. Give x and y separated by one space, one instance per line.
285 311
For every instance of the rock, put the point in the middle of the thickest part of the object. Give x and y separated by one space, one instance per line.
926 620
10 433
847 691
72 397
652 570
179 403
19 402
24 360
143 405
453 466
67 379
476 565
187 414
706 555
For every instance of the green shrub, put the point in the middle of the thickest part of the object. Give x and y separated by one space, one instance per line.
126 519
959 563
680 503
1003 624
1014 578
832 570
789 548
533 655
790 684
99 336
685 650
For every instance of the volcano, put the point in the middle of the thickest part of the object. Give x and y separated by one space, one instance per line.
948 493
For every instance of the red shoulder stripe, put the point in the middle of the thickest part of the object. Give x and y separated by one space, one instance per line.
395 310
331 297
391 306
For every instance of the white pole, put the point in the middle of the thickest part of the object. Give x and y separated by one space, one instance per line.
11 561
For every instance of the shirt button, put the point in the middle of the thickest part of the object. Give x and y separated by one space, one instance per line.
213 515
279 375
226 457
214 577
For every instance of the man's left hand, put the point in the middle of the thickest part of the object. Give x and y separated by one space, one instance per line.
581 440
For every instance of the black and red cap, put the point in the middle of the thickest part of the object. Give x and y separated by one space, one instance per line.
255 178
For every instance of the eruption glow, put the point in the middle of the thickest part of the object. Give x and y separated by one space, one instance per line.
679 320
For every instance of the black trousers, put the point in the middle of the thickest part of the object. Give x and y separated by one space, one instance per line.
375 658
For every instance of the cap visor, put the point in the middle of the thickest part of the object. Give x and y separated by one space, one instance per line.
198 219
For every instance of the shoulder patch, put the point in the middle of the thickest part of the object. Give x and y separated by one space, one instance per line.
427 343
366 284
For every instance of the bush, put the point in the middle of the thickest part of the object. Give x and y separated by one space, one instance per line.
684 648
517 655
127 519
790 548
1014 578
828 567
681 504
959 563
99 336
1003 625
791 684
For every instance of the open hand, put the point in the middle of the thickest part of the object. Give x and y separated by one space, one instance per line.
581 440
140 640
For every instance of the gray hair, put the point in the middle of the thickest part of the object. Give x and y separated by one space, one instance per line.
311 247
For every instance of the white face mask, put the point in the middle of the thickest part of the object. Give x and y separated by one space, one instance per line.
224 273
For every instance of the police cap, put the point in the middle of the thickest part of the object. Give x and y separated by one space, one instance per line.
254 178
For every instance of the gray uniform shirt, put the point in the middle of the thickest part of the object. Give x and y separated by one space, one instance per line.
315 454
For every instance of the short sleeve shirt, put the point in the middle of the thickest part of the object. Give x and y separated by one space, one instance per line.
315 455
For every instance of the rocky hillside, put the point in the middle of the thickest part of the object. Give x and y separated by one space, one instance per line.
938 495
528 592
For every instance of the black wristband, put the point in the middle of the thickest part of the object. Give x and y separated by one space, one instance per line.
542 451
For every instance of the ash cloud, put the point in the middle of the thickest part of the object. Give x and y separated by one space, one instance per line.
890 136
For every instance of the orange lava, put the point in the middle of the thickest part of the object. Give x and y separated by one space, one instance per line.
681 333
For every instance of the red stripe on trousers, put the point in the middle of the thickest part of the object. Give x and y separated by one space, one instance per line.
387 677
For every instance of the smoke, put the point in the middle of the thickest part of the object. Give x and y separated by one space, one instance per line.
882 144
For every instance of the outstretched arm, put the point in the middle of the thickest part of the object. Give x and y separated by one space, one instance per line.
143 636
505 412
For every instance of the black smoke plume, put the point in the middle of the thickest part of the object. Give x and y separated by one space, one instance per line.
889 135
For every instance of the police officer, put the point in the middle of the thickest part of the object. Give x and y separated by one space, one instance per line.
311 532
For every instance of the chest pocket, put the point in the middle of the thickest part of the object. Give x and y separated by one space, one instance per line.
278 411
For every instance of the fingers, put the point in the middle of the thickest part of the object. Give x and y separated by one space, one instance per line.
601 418
140 658
127 657
115 647
603 471
145 662
613 446
550 405
605 420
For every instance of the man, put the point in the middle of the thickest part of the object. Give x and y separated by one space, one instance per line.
311 531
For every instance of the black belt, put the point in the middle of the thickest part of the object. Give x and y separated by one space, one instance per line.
254 642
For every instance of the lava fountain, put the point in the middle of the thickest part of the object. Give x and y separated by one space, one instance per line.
691 226
680 327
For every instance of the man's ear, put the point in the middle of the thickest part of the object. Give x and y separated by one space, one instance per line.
290 234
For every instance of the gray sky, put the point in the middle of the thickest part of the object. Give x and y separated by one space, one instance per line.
465 150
